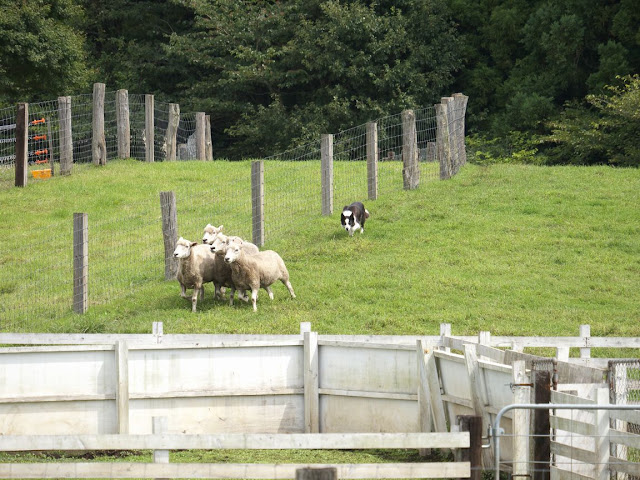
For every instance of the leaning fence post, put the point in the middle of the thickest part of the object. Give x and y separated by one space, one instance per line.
122 124
80 262
22 144
172 131
257 202
326 165
372 160
169 232
200 136
98 142
149 128
66 138
410 165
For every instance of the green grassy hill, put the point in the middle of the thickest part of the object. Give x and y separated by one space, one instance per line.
516 250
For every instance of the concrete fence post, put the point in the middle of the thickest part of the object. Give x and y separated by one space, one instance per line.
22 144
98 141
80 262
149 128
160 426
123 125
257 202
311 383
169 232
372 160
326 166
65 133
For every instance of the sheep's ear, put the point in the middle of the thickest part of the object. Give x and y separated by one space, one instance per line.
220 228
193 244
208 226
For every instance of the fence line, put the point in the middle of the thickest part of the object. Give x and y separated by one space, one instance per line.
292 194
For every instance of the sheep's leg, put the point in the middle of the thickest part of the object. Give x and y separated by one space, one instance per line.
197 290
268 289
219 294
183 291
254 298
287 283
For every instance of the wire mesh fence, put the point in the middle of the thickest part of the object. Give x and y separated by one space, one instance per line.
292 197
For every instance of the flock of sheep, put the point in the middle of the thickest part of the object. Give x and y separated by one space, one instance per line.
227 262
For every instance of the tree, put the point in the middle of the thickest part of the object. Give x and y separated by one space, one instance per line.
605 129
277 73
42 51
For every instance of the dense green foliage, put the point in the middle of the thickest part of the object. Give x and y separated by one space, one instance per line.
278 72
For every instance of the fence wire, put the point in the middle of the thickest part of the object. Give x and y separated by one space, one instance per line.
292 186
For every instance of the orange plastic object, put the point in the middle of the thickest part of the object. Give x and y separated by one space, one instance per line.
46 173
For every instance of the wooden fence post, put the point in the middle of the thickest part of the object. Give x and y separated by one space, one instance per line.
541 427
98 142
208 147
410 164
424 396
460 102
169 232
66 137
372 160
122 386
22 144
80 262
473 455
585 332
452 146
311 385
123 126
442 140
320 473
200 136
172 131
160 426
257 202
326 166
149 128
521 420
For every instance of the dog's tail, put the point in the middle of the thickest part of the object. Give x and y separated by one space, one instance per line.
366 213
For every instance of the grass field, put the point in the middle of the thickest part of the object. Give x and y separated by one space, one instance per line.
516 250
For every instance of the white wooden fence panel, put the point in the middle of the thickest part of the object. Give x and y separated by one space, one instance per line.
352 414
238 370
36 373
50 418
237 414
368 369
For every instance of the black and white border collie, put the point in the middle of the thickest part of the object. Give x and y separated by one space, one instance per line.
353 217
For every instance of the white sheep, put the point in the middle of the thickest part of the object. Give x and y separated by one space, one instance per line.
261 269
210 233
197 265
219 248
